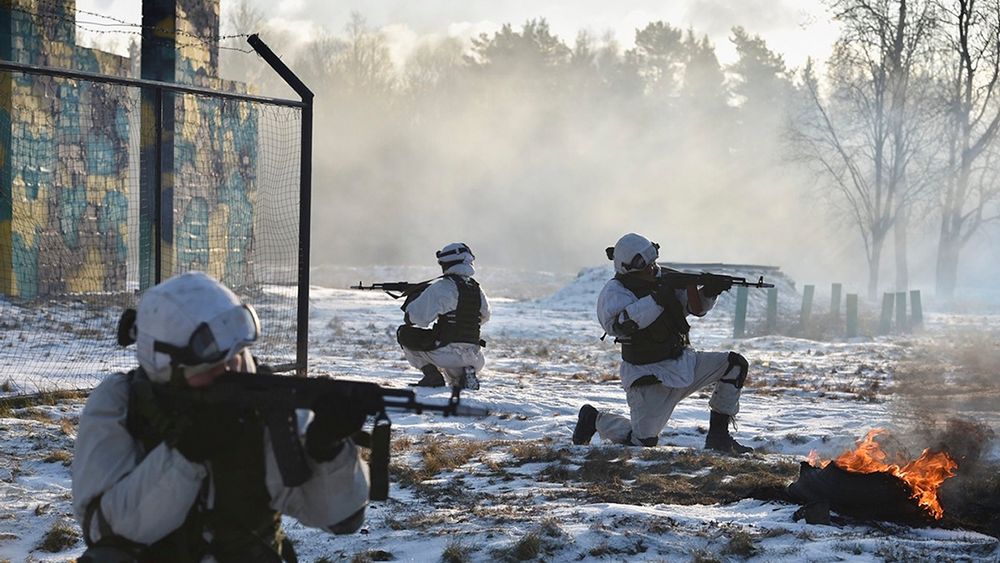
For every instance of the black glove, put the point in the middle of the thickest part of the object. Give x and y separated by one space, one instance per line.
207 432
334 422
716 286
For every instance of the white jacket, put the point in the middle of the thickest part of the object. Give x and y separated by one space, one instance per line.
147 497
616 301
442 297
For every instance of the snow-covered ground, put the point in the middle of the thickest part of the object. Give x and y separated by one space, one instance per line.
511 486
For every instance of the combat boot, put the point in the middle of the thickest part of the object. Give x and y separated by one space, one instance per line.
586 425
720 440
469 379
432 377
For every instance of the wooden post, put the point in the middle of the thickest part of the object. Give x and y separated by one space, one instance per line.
807 305
885 323
916 310
901 312
740 320
852 315
772 310
835 290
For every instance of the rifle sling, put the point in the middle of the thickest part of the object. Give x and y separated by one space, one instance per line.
379 464
291 457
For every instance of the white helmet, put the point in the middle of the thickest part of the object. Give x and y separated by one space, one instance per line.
191 321
632 253
455 253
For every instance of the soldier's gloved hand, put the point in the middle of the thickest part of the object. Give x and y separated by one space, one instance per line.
715 287
205 433
333 423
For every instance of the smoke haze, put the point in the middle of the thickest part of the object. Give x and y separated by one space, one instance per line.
541 148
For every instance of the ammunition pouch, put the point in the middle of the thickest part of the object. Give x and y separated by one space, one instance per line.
416 338
108 554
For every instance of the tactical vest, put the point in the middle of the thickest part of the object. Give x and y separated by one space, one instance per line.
462 324
665 338
243 526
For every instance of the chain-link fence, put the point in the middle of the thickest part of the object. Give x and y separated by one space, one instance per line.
108 185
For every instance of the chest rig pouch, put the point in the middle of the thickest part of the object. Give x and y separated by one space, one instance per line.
241 523
665 338
462 324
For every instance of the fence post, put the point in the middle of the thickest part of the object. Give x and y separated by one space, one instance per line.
916 310
901 312
885 322
852 315
835 290
807 304
772 310
305 196
740 320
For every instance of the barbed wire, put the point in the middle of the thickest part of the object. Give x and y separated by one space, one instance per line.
53 15
141 26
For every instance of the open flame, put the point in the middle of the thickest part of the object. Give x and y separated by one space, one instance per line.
924 475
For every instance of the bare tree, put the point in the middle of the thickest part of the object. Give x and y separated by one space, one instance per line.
366 66
969 194
243 18
872 127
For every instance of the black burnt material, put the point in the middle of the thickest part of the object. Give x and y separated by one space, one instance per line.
877 496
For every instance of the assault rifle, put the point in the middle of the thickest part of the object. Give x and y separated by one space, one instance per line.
679 280
396 290
276 397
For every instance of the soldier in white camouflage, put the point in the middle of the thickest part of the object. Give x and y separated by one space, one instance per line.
659 367
154 482
457 308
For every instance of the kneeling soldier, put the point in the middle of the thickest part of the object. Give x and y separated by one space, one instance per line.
659 367
458 308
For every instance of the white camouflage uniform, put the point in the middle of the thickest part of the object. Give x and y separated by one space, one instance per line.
146 496
439 298
650 406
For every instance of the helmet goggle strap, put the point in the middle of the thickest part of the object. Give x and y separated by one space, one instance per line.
216 340
458 250
642 260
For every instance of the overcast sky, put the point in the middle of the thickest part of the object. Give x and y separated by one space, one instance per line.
795 28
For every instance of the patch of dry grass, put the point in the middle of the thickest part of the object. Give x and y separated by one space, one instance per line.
33 414
438 455
456 552
666 478
60 537
527 548
447 454
59 456
540 451
741 544
68 426
372 555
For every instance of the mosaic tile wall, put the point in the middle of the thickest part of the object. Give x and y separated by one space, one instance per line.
65 165
65 161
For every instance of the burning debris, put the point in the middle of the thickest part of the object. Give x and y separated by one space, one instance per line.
862 483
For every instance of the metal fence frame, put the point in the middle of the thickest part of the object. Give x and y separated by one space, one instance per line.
305 179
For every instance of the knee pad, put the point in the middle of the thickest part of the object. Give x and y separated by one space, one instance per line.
648 442
742 366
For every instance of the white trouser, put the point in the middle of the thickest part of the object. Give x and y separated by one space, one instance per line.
650 406
451 359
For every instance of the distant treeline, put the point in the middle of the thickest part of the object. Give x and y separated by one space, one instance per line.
541 151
